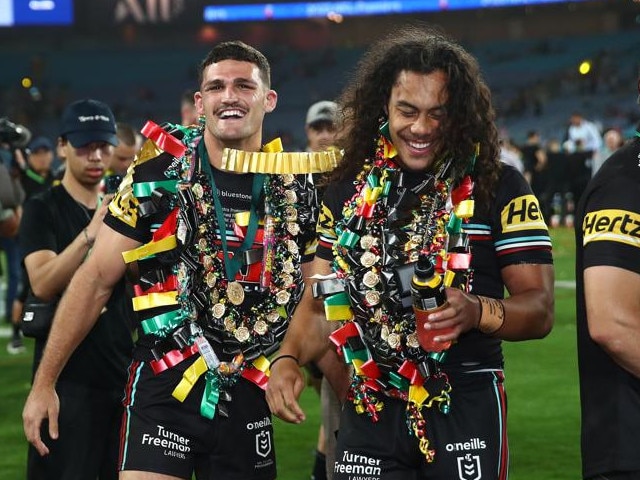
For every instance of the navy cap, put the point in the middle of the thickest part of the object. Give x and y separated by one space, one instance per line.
40 143
88 121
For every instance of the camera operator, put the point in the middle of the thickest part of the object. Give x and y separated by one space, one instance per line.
13 137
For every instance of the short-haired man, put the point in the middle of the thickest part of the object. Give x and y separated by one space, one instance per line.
210 311
57 232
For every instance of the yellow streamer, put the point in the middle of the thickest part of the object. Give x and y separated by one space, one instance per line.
189 379
153 300
150 248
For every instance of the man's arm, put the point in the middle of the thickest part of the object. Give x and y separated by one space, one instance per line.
306 340
49 272
528 310
77 313
613 313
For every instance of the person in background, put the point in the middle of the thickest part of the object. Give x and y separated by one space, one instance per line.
35 171
123 155
129 142
208 320
584 136
57 232
321 127
608 324
612 140
35 177
188 111
420 177
11 196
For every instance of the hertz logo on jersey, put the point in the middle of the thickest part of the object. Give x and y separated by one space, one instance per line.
620 226
522 213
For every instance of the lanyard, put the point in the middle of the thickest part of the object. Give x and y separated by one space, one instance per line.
232 264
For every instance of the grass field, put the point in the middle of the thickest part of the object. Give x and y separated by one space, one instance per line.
541 381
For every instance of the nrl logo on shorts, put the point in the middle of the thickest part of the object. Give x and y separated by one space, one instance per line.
469 467
263 443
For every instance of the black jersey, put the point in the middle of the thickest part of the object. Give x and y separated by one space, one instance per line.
214 208
608 234
51 221
512 232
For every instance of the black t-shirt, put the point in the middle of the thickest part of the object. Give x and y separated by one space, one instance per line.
608 233
512 232
51 221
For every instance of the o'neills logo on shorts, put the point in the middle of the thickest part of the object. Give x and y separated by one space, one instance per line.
174 445
522 213
611 225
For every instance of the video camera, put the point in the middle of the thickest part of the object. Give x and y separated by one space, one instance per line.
16 136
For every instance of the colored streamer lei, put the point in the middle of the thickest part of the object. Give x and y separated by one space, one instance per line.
198 306
385 226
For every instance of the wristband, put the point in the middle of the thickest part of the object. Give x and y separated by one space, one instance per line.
491 315
87 239
280 357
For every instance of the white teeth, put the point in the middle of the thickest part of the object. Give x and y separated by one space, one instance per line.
419 145
231 113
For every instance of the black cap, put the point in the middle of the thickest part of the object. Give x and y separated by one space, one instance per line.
88 121
40 143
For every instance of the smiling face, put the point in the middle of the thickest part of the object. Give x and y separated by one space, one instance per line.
416 108
234 99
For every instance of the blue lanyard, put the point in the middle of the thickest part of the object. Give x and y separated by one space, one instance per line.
232 265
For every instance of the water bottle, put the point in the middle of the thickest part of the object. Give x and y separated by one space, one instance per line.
428 295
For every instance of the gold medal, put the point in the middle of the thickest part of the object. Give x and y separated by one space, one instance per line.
218 310
235 293
242 334
260 327
210 279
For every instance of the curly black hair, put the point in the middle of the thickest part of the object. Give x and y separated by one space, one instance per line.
469 119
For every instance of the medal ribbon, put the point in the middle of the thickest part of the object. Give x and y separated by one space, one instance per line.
232 264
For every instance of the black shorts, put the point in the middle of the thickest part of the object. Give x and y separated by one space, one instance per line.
162 435
87 446
470 442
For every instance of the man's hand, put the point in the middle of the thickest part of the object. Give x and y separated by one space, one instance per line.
283 390
41 403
